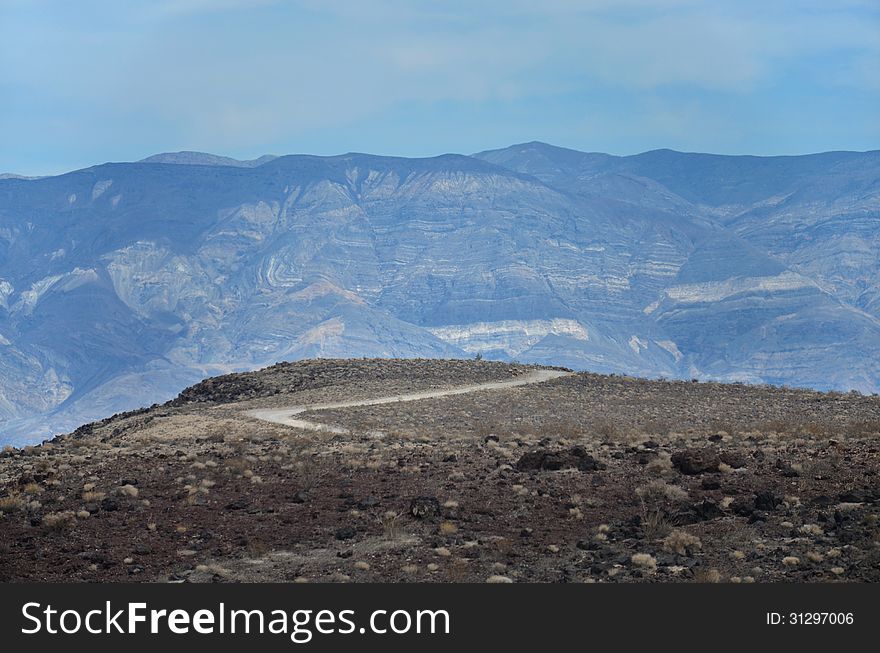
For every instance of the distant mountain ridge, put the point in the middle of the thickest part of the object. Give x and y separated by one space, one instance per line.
204 159
123 283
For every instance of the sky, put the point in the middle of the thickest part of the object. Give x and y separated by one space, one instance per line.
92 81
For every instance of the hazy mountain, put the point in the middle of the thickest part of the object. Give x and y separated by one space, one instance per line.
204 159
122 283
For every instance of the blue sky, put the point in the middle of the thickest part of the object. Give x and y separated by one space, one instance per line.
93 80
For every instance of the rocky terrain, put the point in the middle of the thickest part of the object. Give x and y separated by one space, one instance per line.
123 283
582 478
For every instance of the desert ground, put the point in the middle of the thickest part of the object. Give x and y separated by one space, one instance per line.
543 476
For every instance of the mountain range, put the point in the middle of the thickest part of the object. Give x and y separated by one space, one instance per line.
122 283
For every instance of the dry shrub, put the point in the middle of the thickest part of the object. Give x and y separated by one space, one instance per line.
707 576
658 492
682 543
11 503
655 524
257 548
59 521
660 465
390 522
309 474
645 561
128 490
605 429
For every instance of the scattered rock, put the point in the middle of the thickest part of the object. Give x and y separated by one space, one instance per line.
693 462
300 497
553 460
368 502
766 501
786 469
345 533
733 458
142 548
424 507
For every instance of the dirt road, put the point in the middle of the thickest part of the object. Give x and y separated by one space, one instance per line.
288 417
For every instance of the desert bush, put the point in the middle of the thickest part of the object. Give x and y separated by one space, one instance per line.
658 492
655 523
682 543
645 561
605 429
11 503
128 491
707 576
59 521
33 489
390 522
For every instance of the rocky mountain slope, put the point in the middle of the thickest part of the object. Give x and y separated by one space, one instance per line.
123 283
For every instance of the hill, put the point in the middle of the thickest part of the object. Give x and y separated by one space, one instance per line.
546 476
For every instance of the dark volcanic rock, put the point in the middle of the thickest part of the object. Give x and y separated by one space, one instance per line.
424 507
550 460
766 501
368 502
345 533
735 459
300 497
696 461
786 469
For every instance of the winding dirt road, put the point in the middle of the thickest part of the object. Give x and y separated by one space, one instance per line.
287 416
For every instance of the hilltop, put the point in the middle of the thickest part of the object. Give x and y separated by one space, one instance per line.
579 477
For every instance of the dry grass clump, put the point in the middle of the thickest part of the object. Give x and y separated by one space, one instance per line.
128 491
655 524
812 529
659 492
33 489
11 503
605 429
91 496
660 465
707 575
682 543
59 521
448 528
390 522
644 561
496 579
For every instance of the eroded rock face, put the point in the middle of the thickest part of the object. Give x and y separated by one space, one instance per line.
124 283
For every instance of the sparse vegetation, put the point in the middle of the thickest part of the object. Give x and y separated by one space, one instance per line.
59 521
199 492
